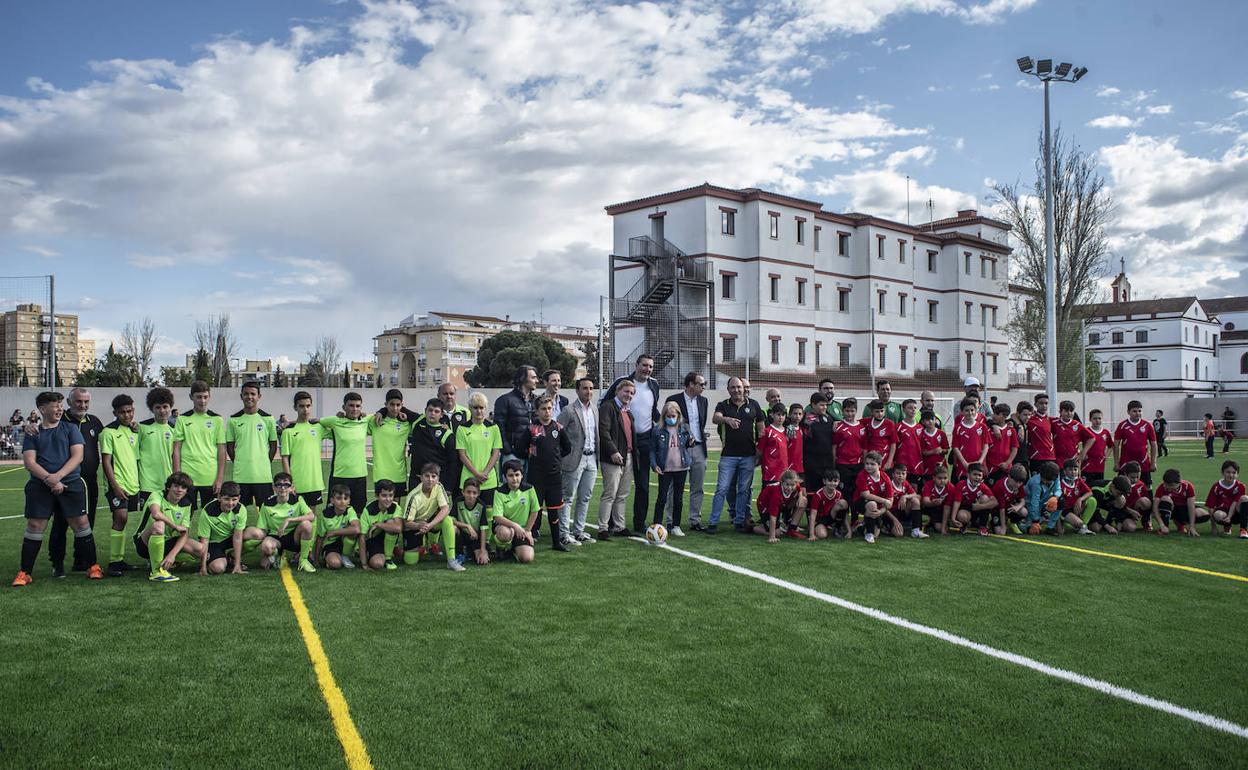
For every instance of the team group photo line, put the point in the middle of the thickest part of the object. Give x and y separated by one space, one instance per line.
472 484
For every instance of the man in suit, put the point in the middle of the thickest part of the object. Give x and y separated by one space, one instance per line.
645 412
580 466
553 381
615 449
693 408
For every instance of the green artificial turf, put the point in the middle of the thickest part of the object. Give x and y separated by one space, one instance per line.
624 655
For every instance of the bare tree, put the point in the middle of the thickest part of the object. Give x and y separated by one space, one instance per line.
217 337
1082 209
138 340
328 353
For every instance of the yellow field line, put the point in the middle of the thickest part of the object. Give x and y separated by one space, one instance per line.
1136 559
348 736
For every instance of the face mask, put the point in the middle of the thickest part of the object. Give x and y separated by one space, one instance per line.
670 420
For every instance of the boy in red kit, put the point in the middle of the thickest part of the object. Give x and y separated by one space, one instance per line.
1139 501
935 498
1099 444
881 434
797 442
1075 499
827 509
1004 447
1135 441
933 445
970 441
1227 501
1040 432
1011 501
773 446
848 439
906 507
971 502
1176 499
783 499
1069 435
908 452
873 496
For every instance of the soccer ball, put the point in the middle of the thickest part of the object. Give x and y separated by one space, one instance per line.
656 534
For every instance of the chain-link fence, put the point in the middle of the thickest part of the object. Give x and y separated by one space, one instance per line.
28 331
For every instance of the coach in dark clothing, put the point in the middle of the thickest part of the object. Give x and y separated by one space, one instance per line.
645 411
513 412
90 426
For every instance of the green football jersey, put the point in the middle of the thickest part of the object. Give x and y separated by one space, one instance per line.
478 442
373 515
514 505
122 443
178 514
200 436
423 507
390 449
155 455
470 516
301 442
349 439
273 515
218 525
250 434
329 520
892 410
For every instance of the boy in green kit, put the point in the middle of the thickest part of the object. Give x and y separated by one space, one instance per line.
119 456
337 522
199 446
301 452
155 444
513 514
380 525
251 442
166 516
349 467
286 524
390 431
427 509
470 517
220 530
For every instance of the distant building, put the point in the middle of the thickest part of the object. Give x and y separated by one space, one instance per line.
437 347
86 354
24 335
363 374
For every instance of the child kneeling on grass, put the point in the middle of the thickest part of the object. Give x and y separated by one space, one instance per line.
1227 501
827 509
784 499
906 505
168 517
1010 494
512 515
428 509
220 531
1075 500
470 517
873 497
1111 505
971 503
286 523
337 521
380 525
933 503
1042 492
1176 498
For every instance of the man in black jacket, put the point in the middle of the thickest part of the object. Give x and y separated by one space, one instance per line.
513 412
693 408
91 427
644 409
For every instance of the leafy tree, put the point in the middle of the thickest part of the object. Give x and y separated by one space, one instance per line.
313 373
279 379
114 370
502 354
591 360
10 374
203 367
175 376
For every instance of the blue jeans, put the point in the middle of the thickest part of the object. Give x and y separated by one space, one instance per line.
742 468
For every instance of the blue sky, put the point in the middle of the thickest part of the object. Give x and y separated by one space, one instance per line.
327 168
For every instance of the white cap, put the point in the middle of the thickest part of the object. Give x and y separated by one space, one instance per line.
969 381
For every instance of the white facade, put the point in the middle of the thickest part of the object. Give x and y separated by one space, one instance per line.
796 287
1169 344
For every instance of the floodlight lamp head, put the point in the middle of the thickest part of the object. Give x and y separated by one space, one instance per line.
1044 66
1025 64
1062 69
1079 73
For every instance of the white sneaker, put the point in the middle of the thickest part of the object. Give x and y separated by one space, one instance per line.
271 562
347 563
454 566
869 537
571 541
1086 531
583 537
916 532
675 532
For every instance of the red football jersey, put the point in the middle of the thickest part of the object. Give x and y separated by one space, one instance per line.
773 448
880 486
963 490
1138 490
772 502
970 440
881 436
1002 445
928 442
849 441
1040 437
1180 496
901 489
821 504
1006 498
1135 438
1094 460
908 447
939 496
1068 436
1072 491
796 445
1222 498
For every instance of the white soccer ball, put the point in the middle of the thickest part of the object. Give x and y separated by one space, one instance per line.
656 534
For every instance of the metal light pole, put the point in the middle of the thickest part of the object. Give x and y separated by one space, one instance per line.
1065 73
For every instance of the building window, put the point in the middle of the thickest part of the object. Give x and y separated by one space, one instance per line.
1243 364
901 306
983 267
966 260
993 356
901 253
933 360
842 353
801 352
992 314
773 227
842 300
931 310
775 350
801 291
880 299
992 267
817 229
394 346
728 284
1115 369
818 295
775 288
879 247
931 260
968 312
1196 370
968 362
818 352
1185 334
730 348
1141 368
727 222
883 356
1117 338
801 230
842 244
1141 335
903 359
394 362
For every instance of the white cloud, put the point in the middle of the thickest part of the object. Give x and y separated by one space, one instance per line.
42 251
1107 91
1160 109
1113 121
151 262
897 48
879 41
883 192
921 155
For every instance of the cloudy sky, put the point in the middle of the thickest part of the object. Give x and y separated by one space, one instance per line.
318 167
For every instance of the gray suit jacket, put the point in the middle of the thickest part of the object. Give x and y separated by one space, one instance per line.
574 427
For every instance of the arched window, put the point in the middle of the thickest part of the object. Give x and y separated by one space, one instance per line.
1196 368
1141 368
1243 364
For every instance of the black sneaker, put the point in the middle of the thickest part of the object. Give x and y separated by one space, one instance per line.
559 546
604 535
116 569
58 570
697 527
713 529
127 566
622 533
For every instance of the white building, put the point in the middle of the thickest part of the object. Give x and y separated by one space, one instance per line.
797 289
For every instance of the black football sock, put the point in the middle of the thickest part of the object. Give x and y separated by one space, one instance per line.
31 543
